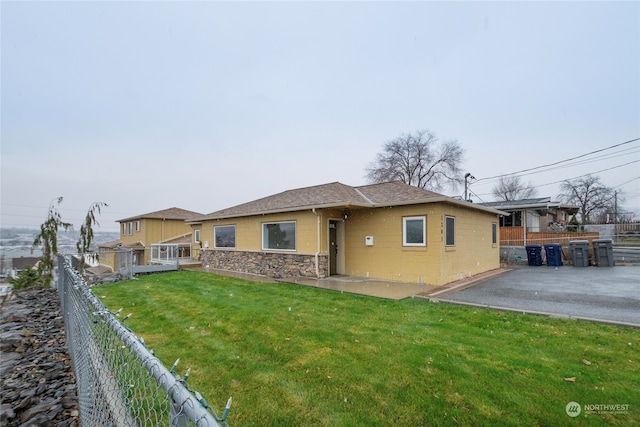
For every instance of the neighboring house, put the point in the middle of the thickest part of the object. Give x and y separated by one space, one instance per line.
23 263
149 235
539 215
389 231
537 221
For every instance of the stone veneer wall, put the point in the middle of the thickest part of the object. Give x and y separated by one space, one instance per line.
270 264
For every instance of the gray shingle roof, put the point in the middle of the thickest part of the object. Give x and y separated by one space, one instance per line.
171 213
334 194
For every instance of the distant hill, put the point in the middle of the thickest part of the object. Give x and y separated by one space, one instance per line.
16 242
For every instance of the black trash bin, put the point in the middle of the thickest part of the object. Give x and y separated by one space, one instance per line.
579 252
534 255
554 254
603 252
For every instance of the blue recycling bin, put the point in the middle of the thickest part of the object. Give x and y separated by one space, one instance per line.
534 255
554 254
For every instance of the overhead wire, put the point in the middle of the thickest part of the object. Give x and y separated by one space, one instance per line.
549 165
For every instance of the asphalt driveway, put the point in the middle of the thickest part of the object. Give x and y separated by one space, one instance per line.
607 294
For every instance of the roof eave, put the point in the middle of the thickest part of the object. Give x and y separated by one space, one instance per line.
283 210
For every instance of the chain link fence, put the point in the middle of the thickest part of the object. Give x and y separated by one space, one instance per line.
120 382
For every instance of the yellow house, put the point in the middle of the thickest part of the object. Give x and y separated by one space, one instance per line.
390 231
140 232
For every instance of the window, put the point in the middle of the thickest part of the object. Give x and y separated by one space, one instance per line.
137 226
494 233
279 236
224 236
124 228
130 228
414 231
196 236
449 231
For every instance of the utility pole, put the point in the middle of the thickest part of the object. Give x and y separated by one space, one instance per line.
467 176
615 216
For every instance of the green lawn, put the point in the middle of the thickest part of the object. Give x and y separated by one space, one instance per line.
298 356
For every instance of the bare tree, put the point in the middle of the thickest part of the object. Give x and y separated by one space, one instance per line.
511 188
419 159
589 193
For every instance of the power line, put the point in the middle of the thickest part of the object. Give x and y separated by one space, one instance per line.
560 161
582 176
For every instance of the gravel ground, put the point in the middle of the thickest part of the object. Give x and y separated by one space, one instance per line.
38 383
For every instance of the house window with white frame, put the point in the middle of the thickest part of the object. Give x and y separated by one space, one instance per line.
138 226
196 235
414 231
124 228
279 236
130 228
224 236
449 231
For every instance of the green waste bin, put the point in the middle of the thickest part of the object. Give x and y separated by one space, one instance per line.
603 252
579 252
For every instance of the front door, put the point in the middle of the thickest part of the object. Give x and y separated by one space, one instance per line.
333 248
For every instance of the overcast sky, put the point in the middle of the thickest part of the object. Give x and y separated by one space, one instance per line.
206 105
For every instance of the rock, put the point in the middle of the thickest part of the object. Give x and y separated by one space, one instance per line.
38 383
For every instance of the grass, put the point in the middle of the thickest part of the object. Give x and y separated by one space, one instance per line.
292 355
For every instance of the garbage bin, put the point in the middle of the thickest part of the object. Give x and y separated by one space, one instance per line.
534 255
554 254
603 251
579 252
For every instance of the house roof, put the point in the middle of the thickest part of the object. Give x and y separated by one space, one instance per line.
171 213
184 239
539 203
336 194
110 244
24 262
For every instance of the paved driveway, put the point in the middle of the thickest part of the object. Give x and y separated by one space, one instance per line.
609 294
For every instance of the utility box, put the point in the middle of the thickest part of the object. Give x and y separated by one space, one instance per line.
553 252
579 252
603 252
534 255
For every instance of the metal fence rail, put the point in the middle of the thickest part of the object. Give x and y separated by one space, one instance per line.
120 382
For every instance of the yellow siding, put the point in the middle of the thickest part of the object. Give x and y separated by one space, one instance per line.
387 258
434 264
153 231
474 251
249 231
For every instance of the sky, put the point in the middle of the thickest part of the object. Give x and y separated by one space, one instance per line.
147 105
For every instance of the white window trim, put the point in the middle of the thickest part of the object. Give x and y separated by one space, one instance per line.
449 245
295 243
215 241
138 226
424 231
196 235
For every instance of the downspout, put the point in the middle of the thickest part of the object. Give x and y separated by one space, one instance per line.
524 224
318 243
